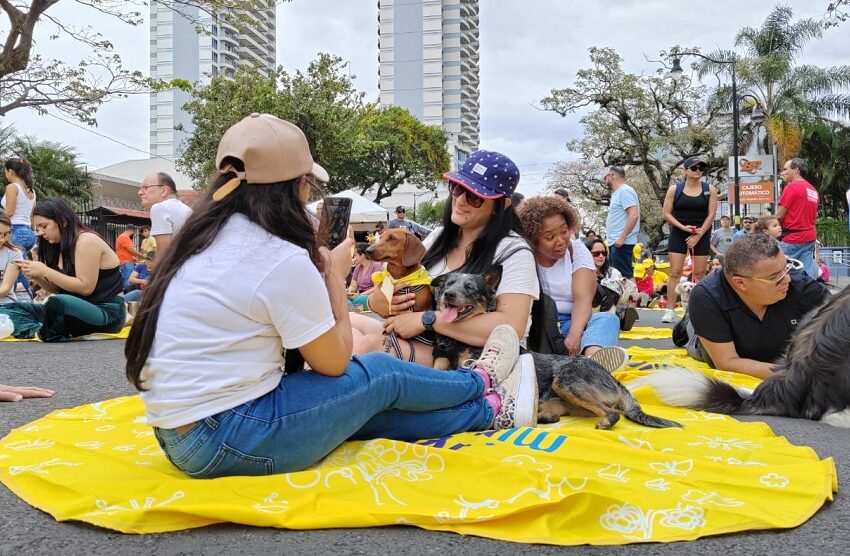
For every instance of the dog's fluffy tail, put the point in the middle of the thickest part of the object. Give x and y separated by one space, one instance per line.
684 388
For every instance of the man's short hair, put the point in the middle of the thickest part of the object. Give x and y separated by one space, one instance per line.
746 252
801 165
144 229
130 227
399 209
165 179
618 170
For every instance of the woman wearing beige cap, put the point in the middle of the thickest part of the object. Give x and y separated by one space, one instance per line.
217 324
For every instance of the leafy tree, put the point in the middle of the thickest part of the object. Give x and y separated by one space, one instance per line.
430 212
789 95
29 80
56 169
362 147
647 122
826 147
398 148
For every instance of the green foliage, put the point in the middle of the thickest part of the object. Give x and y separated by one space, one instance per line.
650 123
56 169
826 147
77 89
430 213
833 232
789 95
362 147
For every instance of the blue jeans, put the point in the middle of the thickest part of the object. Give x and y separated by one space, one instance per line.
803 252
308 415
23 237
621 259
126 269
132 296
603 329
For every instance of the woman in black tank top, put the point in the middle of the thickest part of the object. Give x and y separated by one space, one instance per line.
87 297
689 208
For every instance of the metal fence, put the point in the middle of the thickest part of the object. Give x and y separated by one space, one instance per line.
106 223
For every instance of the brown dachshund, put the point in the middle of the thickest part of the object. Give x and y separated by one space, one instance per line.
403 253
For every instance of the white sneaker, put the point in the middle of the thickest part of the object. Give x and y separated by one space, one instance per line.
499 354
614 359
518 394
669 316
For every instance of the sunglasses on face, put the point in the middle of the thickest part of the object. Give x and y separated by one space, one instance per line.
697 168
599 253
793 264
471 198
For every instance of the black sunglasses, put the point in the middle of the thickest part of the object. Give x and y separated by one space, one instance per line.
472 199
698 168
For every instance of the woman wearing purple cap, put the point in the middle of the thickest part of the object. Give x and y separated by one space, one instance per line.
479 230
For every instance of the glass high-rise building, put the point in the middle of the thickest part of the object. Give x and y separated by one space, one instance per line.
429 65
179 51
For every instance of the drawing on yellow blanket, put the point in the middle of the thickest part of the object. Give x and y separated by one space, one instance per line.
628 519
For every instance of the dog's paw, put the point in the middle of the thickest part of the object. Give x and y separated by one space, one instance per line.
547 418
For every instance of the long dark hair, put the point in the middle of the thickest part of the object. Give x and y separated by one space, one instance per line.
482 251
276 208
23 169
603 270
70 228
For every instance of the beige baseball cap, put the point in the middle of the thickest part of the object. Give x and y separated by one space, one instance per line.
272 150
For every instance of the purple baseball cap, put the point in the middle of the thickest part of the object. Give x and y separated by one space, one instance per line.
487 174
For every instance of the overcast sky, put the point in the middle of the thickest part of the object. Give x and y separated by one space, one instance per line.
527 48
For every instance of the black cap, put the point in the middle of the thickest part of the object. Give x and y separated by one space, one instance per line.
399 209
694 161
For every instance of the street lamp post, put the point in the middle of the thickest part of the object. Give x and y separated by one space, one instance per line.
676 73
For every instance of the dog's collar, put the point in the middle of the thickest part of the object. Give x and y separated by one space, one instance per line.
418 277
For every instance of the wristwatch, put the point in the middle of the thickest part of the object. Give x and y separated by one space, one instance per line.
429 317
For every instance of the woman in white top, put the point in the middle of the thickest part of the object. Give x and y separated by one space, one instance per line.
569 273
479 230
18 203
217 323
599 252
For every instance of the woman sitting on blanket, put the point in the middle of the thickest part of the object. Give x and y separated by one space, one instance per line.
361 277
479 229
208 343
599 252
569 278
80 268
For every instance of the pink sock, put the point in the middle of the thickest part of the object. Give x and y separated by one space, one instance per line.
485 377
495 403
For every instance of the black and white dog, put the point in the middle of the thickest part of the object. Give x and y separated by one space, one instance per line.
812 379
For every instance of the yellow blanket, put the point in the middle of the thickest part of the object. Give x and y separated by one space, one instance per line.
646 333
120 335
564 484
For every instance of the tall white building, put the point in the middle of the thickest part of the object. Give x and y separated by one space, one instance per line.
429 65
178 51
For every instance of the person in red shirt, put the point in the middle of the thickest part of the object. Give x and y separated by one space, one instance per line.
798 210
125 248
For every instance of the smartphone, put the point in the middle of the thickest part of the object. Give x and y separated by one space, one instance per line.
333 225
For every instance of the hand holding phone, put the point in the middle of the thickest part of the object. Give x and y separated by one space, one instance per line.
333 225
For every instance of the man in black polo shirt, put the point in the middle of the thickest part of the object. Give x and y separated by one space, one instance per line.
745 315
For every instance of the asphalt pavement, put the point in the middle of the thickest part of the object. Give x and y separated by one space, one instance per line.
84 372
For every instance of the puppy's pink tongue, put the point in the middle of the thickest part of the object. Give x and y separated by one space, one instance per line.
449 314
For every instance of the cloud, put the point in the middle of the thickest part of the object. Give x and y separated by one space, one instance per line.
527 48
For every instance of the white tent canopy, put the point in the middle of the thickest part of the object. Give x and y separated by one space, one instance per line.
363 211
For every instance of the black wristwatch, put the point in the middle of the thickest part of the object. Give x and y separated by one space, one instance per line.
429 317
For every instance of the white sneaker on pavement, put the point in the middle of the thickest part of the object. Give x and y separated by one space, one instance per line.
518 394
669 316
499 354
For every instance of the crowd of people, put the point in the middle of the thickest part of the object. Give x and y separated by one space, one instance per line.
257 365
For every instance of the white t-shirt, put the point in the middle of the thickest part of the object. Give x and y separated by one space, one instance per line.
23 207
519 271
6 257
559 277
224 321
168 216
